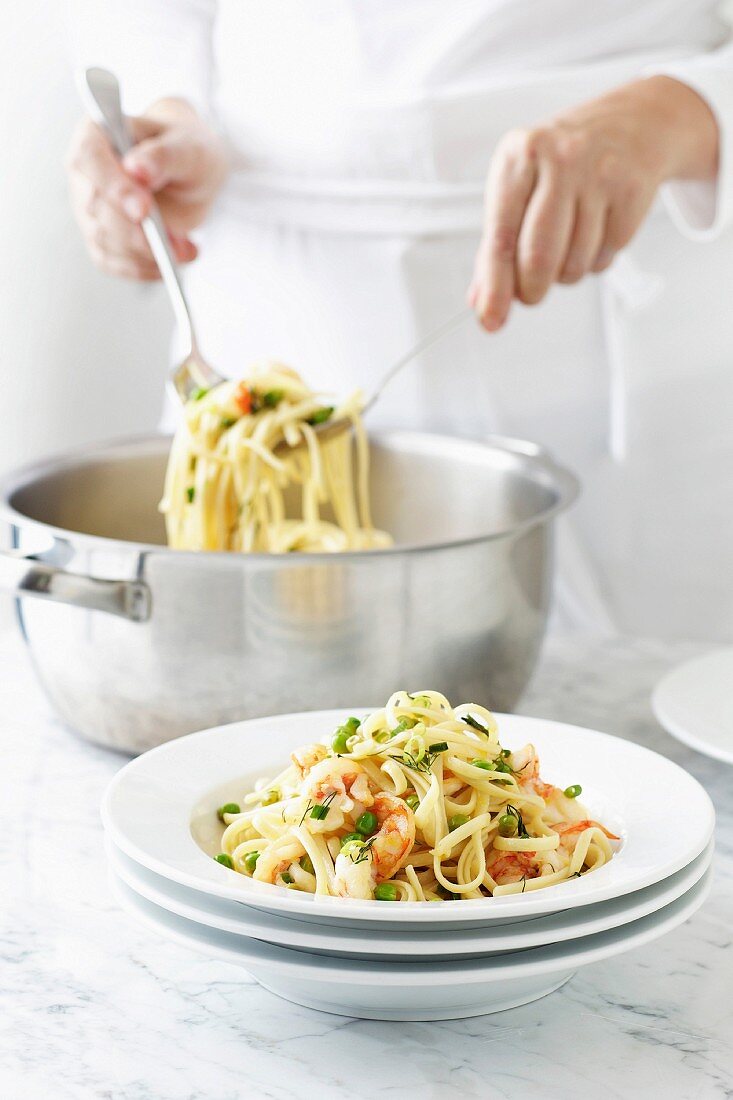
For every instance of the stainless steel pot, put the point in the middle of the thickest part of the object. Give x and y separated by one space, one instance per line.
153 643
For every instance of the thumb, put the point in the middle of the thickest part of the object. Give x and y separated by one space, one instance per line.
160 160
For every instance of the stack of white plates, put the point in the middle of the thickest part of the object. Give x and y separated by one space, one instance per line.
405 961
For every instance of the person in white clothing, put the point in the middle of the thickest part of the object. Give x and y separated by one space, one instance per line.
322 169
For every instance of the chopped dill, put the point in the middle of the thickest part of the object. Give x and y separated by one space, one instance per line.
365 852
521 830
320 810
471 721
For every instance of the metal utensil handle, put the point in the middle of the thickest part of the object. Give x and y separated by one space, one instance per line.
26 575
422 345
101 92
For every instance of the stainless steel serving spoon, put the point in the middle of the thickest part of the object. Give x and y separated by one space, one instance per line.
101 91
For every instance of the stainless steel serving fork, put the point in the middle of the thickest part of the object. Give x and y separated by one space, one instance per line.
102 96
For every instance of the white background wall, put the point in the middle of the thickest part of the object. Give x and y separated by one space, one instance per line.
82 357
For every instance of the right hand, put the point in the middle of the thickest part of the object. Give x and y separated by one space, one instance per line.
177 159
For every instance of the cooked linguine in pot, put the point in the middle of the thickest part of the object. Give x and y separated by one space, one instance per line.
225 484
416 802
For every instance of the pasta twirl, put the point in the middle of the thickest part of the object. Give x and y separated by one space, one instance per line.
415 802
225 484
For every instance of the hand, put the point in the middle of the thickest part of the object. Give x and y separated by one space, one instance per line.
178 159
561 200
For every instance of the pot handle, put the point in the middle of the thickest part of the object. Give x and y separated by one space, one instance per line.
27 575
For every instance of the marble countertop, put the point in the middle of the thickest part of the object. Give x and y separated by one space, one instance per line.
93 1006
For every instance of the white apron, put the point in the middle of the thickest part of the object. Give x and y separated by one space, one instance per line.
347 231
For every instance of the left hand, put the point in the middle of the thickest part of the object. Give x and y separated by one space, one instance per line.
564 198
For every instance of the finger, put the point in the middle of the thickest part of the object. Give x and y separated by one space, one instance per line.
545 234
92 157
116 238
184 248
585 240
124 267
162 160
605 258
509 189
621 224
607 250
111 231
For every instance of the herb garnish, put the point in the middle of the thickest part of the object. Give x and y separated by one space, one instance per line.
321 415
521 830
471 721
422 765
364 853
320 810
272 398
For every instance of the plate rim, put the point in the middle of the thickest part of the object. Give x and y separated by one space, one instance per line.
321 934
533 961
310 907
671 724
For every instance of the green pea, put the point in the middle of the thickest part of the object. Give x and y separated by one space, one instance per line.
386 891
412 801
307 864
272 398
227 808
225 860
351 837
574 791
250 861
341 737
483 764
507 825
287 877
352 724
271 797
457 820
447 895
321 415
367 823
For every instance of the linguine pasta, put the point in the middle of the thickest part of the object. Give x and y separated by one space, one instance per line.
225 486
416 802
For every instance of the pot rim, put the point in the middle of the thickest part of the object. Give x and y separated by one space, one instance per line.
537 462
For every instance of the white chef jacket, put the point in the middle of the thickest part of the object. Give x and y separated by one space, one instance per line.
361 132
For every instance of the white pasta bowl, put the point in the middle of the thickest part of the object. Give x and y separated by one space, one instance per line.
397 943
160 810
427 990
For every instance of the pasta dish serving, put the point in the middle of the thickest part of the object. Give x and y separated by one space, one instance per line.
416 802
239 449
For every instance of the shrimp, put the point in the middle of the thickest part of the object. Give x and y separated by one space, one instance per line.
506 867
526 763
307 757
270 867
393 843
339 776
354 877
387 850
569 831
